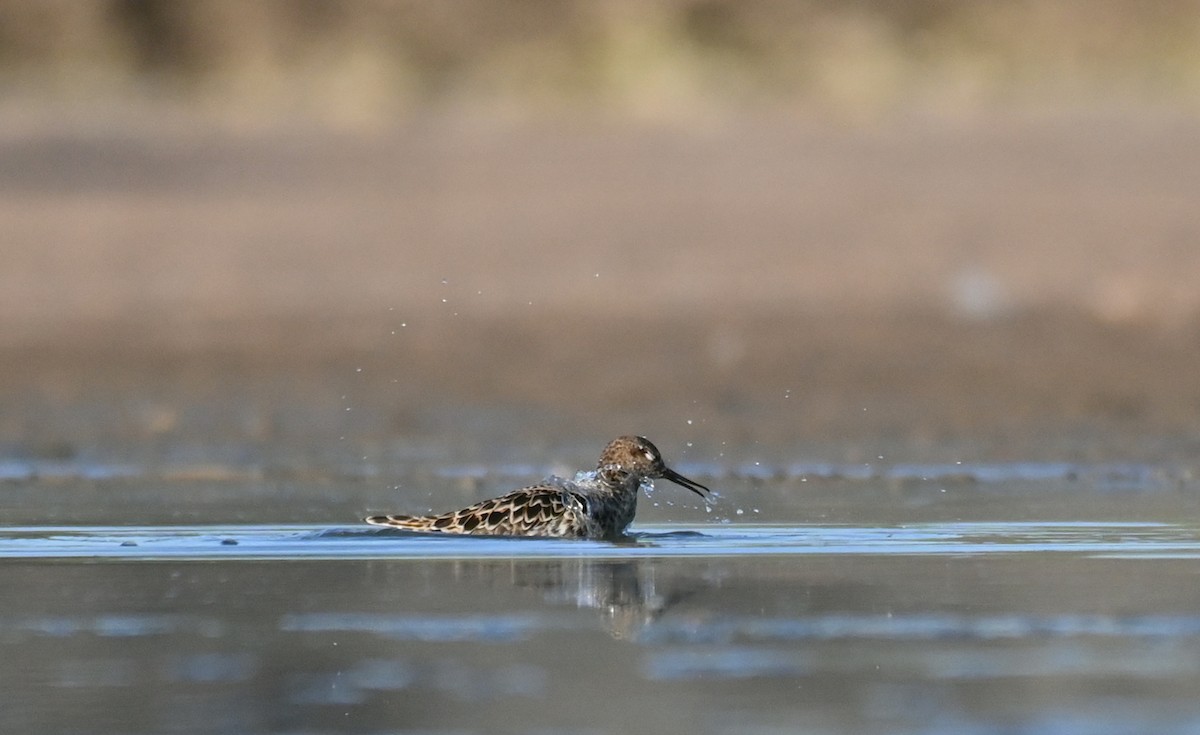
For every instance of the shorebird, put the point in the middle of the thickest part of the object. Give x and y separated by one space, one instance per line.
597 505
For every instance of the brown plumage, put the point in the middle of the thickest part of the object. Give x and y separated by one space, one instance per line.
599 507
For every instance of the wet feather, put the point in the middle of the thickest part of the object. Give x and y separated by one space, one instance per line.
599 505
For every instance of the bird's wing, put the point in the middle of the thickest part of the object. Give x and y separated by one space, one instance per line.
539 510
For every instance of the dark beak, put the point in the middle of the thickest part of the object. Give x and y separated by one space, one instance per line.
678 479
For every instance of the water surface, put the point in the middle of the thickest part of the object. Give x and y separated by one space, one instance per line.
978 627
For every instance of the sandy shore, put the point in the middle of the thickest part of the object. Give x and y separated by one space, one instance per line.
771 282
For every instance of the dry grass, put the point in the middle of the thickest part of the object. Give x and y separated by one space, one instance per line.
375 60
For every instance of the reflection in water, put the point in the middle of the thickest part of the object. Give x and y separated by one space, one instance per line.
627 594
624 592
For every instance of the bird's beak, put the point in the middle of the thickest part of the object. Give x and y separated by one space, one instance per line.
678 479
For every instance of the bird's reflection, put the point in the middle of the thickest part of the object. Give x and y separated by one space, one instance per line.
629 594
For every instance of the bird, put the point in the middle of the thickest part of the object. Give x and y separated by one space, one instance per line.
596 505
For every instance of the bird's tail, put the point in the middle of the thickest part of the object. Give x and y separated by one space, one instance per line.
412 523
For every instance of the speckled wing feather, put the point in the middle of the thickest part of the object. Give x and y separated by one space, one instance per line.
540 510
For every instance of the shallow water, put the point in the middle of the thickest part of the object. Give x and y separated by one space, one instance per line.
996 626
230 543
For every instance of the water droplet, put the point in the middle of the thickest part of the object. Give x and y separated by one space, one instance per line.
443 301
358 370
404 324
689 422
689 444
444 281
740 511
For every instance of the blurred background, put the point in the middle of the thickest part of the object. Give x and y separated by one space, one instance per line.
763 228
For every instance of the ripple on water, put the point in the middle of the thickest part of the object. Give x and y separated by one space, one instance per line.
913 627
1159 540
425 628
